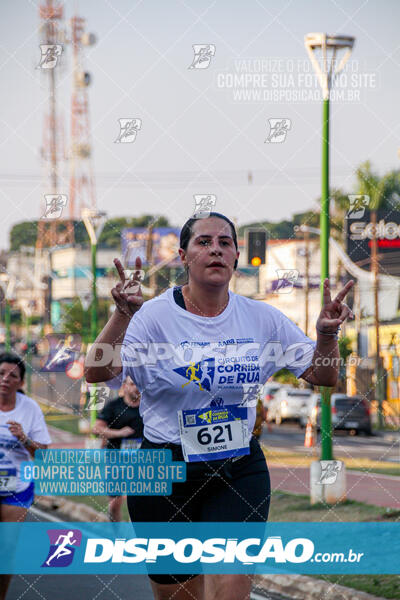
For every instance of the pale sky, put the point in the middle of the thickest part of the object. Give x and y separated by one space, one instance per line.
200 135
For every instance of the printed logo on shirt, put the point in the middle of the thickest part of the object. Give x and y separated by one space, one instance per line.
206 417
200 373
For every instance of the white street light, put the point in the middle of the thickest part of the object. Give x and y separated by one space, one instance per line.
322 49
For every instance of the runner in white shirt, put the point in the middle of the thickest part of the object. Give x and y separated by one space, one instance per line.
22 431
198 354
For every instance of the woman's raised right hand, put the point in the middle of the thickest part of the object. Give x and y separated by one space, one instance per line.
127 294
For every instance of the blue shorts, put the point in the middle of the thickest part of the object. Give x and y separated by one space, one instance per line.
23 499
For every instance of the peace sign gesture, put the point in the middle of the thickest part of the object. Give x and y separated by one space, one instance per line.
127 293
334 312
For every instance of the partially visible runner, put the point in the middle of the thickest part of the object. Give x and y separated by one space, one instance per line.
205 347
22 431
121 427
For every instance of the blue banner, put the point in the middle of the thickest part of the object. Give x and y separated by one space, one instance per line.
140 548
165 245
63 472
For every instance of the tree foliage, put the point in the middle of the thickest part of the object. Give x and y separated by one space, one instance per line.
384 191
25 233
283 230
77 320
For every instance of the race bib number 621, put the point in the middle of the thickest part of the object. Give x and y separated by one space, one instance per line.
214 433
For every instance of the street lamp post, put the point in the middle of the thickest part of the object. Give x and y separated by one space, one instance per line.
28 314
7 320
94 222
93 316
322 50
9 283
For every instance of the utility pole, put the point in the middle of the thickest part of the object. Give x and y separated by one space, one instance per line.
307 277
303 230
378 362
149 257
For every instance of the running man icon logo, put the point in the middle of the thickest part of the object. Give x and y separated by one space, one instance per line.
329 470
201 374
128 130
286 280
358 204
97 396
203 54
251 394
63 349
204 204
54 205
62 547
133 279
278 129
50 54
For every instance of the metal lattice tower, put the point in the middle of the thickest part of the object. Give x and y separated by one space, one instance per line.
82 190
53 232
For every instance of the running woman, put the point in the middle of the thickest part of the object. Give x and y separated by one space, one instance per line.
206 348
22 431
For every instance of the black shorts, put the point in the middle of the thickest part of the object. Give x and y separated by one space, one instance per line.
219 490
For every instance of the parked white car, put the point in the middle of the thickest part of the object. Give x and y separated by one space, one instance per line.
288 403
269 391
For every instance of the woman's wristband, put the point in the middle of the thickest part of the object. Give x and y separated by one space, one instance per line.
333 334
27 442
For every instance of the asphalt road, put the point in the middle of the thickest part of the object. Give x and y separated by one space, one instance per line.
89 587
289 436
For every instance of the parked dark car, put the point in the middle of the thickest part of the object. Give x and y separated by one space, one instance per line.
349 413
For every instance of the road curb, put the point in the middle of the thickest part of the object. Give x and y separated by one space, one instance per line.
388 436
76 511
301 587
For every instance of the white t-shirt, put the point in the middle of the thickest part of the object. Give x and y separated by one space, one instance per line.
181 361
26 412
